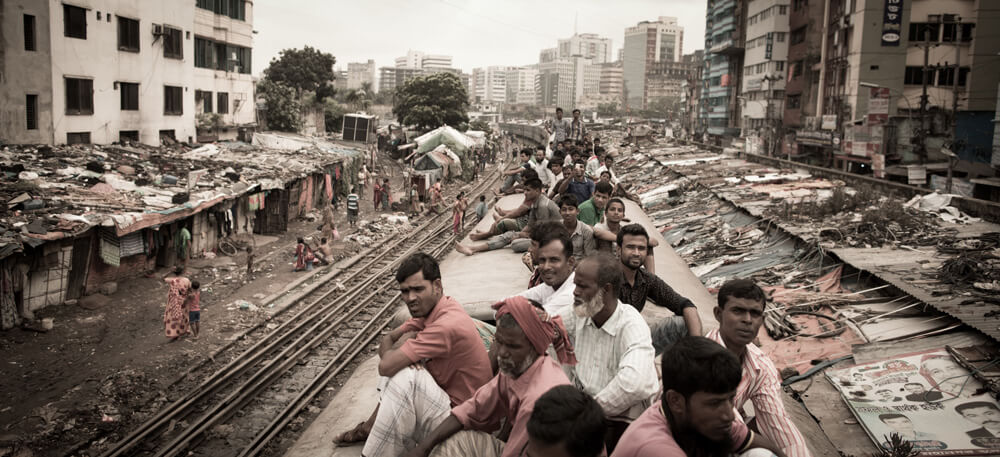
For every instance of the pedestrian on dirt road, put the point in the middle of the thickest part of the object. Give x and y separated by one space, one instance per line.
352 207
175 316
182 243
193 305
386 195
377 193
249 263
458 213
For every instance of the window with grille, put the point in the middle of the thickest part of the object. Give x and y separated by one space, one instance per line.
173 43
29 33
79 96
204 99
173 100
78 138
74 22
128 34
126 136
31 111
129 96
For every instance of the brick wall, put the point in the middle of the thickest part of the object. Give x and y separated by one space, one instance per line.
130 267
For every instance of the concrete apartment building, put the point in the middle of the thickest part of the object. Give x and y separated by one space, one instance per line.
80 72
647 43
391 78
413 64
724 41
805 32
490 84
612 79
548 55
565 82
865 49
359 73
764 70
520 83
589 45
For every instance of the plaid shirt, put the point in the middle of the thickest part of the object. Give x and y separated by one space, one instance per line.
576 130
761 385
652 287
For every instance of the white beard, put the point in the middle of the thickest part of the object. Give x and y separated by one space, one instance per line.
591 307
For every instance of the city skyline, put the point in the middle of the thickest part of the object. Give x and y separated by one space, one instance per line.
480 35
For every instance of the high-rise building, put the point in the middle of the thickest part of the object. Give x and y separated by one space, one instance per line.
80 72
612 79
724 41
418 59
548 55
520 82
764 69
645 44
340 80
490 84
805 34
665 79
566 81
359 73
392 78
589 45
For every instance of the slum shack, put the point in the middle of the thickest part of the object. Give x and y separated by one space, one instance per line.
80 218
457 143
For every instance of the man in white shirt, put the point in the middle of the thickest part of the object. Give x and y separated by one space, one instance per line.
560 126
541 166
612 343
555 267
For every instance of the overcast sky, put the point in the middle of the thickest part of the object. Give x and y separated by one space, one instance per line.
476 33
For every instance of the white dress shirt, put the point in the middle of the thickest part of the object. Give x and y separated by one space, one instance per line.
554 300
615 362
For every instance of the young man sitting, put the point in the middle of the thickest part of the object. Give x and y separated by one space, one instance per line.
580 233
566 422
695 415
592 210
740 314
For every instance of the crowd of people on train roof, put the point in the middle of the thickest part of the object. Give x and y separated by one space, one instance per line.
569 369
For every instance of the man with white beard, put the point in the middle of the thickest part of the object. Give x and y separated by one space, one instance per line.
612 343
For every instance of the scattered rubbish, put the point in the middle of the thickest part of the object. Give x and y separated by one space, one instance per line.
48 323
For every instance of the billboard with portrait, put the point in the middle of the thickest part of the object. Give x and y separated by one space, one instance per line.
927 398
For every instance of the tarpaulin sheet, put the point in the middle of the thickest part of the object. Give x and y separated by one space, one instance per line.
110 249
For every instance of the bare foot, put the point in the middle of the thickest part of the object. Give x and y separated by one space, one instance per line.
463 249
357 434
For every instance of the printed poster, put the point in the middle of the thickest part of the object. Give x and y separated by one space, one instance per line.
925 397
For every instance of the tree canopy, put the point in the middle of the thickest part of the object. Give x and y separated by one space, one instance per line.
282 108
306 69
431 101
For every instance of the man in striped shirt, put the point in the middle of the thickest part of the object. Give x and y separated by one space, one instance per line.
352 207
740 314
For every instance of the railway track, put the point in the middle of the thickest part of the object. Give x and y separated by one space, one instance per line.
237 402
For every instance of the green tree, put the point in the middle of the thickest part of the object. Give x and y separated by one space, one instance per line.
480 125
281 105
333 114
431 101
608 109
306 69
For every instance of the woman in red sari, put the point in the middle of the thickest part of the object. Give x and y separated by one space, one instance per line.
175 317
303 256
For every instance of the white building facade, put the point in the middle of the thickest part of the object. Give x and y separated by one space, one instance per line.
765 64
646 43
359 73
596 48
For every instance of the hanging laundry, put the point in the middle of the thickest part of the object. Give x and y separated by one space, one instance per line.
254 201
329 187
110 249
131 244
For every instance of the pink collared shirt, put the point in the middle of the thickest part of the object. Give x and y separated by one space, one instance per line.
449 343
761 385
513 399
650 436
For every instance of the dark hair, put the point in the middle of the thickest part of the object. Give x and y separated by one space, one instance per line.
599 150
249 248
301 240
567 415
195 285
556 161
482 198
561 236
975 404
884 416
608 270
322 240
631 230
576 110
418 262
606 172
178 269
568 199
597 139
558 109
740 288
604 188
527 152
529 174
533 183
618 201
698 364
540 231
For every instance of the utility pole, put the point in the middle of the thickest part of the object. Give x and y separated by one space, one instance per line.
921 134
954 100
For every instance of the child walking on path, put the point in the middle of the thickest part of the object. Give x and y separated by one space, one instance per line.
194 308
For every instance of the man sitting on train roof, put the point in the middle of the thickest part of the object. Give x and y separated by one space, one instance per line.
694 415
434 361
740 314
637 285
612 343
524 334
555 265
508 220
542 210
566 422
580 233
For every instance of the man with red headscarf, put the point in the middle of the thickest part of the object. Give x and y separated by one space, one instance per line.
524 333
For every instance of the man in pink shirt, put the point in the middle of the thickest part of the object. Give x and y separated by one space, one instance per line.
432 362
740 314
524 333
695 415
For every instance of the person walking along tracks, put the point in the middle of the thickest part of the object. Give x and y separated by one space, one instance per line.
175 317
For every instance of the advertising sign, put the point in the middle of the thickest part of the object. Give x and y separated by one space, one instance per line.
878 106
892 22
925 397
769 45
829 122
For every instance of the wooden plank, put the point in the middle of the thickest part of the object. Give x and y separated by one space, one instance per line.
865 353
824 402
819 444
